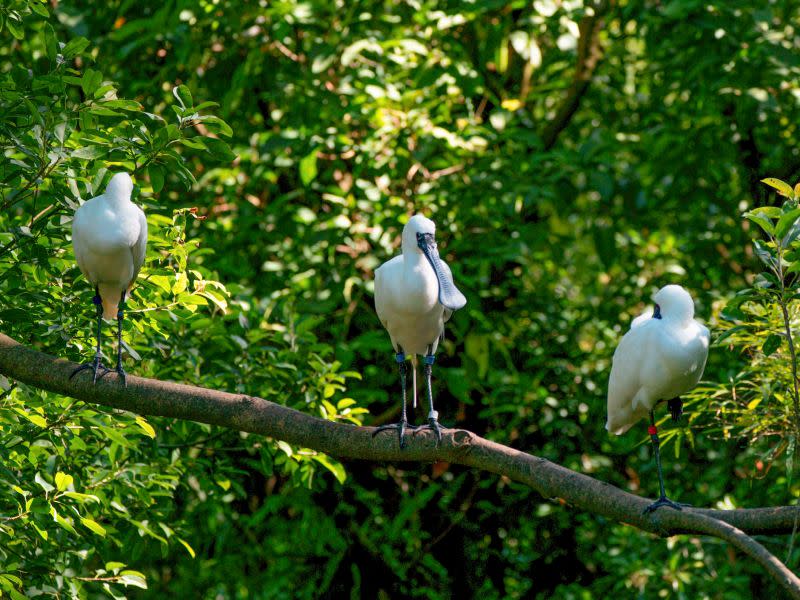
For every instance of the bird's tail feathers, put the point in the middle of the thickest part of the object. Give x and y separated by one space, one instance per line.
110 295
414 378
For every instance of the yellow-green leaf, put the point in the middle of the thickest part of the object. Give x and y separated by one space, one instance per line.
63 481
784 189
37 420
186 545
308 167
94 526
146 427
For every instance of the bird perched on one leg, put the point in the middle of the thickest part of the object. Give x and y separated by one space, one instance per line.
659 359
109 235
414 297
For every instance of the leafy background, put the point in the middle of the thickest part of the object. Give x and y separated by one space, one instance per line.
277 149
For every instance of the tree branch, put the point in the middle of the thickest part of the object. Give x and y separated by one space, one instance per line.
256 415
589 54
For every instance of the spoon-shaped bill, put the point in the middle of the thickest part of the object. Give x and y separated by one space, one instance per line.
449 295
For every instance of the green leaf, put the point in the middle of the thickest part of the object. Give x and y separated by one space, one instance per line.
784 189
63 523
63 481
15 595
219 149
74 47
785 223
156 177
94 526
183 95
333 466
186 545
729 332
122 104
217 125
82 498
39 9
15 27
765 254
90 81
133 578
12 578
50 42
287 449
771 344
757 217
308 167
36 419
90 152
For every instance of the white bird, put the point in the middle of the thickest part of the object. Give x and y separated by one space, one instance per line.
414 296
109 235
659 359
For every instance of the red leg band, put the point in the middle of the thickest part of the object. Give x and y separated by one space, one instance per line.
652 430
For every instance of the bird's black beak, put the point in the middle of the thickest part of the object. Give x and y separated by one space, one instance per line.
449 296
657 312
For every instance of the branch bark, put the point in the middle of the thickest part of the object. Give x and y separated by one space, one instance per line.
256 415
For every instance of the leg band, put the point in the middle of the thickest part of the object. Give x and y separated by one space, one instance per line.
429 359
400 357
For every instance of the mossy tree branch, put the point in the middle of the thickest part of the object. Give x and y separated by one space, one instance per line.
256 415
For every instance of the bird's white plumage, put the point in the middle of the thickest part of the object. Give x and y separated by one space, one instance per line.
658 359
407 294
109 235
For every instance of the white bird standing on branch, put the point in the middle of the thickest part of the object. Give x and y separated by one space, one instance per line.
414 296
659 359
109 235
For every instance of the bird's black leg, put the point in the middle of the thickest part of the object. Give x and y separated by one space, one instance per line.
675 407
401 427
433 415
96 366
662 500
120 316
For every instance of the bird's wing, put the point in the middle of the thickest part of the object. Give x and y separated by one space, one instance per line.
139 249
380 295
642 318
79 238
625 381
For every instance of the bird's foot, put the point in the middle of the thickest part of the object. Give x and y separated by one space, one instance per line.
664 501
401 428
122 374
434 425
97 368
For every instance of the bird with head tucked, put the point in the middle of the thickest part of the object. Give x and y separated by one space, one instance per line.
661 358
109 236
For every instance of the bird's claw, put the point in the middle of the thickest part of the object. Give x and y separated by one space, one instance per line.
434 425
401 428
664 501
95 366
122 375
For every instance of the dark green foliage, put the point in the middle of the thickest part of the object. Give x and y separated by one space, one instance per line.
277 148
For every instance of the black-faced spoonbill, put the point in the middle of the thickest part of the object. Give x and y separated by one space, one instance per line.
659 359
109 235
414 297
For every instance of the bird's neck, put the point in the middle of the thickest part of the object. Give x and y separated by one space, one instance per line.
117 201
413 259
676 321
